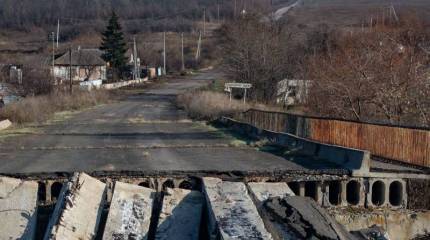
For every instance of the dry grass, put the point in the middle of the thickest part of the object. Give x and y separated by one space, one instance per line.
209 105
41 108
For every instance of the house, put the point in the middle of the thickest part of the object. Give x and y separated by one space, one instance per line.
292 91
86 65
11 73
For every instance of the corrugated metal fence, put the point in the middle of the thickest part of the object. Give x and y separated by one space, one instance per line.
397 143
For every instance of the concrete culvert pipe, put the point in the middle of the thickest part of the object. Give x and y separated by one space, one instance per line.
55 190
41 192
378 193
168 184
396 193
334 191
186 185
353 192
311 190
295 187
144 184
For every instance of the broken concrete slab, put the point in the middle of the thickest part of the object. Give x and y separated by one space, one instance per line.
260 193
231 212
305 218
78 210
180 215
5 124
130 212
265 190
18 208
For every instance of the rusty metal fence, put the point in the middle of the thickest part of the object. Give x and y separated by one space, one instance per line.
407 145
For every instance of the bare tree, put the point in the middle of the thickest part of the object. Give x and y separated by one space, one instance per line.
254 51
36 81
380 75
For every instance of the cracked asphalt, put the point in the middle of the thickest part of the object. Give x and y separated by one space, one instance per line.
144 131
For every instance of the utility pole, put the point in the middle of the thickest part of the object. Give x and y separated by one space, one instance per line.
70 70
182 51
53 55
58 31
235 9
204 21
199 47
218 12
383 17
164 53
135 70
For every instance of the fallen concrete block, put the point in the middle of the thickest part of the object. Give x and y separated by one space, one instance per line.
18 209
260 193
77 213
180 215
263 190
305 218
5 124
232 214
130 212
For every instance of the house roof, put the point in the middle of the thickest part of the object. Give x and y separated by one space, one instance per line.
82 57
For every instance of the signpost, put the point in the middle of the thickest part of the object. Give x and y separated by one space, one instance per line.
244 86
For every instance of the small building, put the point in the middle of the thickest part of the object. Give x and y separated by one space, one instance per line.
11 73
292 91
86 65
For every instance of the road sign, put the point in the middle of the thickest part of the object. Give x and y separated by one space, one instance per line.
238 85
244 86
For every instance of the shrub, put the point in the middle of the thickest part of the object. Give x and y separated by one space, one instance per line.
207 105
41 108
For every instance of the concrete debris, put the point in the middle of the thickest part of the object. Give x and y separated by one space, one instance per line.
180 215
399 224
5 124
18 209
260 193
305 218
130 212
372 233
232 214
263 190
78 210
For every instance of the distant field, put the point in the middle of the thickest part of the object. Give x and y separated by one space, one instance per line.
353 12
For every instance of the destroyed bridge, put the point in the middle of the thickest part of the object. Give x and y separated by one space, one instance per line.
139 168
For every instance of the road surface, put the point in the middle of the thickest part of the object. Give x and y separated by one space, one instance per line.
143 132
284 10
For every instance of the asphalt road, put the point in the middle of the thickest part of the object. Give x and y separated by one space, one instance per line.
143 132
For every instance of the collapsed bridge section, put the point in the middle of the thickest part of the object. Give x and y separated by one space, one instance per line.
190 207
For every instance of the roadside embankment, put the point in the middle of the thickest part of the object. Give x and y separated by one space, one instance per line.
41 108
209 105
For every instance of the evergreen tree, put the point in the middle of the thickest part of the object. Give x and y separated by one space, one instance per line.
114 46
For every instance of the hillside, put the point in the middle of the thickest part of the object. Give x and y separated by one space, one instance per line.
350 13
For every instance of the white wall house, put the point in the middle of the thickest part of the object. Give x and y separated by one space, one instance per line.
86 65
